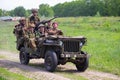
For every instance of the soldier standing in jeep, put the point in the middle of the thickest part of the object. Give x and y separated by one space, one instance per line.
34 19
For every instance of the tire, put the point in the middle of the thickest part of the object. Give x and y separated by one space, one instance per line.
51 61
84 65
24 57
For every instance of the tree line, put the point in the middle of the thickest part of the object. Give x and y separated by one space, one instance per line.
74 8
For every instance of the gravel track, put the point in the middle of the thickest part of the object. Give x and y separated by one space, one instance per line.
33 71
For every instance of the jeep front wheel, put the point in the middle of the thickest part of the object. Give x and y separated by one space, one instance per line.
51 61
83 63
24 57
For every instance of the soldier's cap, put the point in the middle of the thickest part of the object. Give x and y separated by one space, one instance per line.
22 19
41 25
34 10
54 23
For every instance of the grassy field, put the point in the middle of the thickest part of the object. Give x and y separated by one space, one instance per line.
102 33
103 36
7 39
7 42
6 75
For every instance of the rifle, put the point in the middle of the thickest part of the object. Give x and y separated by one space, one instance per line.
43 22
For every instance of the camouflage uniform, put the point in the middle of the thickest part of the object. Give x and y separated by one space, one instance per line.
54 30
48 26
20 31
33 20
32 39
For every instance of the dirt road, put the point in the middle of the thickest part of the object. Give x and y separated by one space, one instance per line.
11 62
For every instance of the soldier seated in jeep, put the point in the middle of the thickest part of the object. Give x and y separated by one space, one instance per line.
54 30
31 38
20 31
41 31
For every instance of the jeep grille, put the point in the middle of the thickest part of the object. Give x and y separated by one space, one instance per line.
71 46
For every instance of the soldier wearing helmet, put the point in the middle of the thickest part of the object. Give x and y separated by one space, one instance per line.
19 28
20 31
34 19
41 31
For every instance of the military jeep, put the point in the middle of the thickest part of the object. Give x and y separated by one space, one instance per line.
57 50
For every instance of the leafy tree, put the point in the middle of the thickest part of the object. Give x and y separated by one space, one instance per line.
28 12
20 11
0 12
74 8
88 8
46 10
114 7
5 13
109 7
58 9
11 13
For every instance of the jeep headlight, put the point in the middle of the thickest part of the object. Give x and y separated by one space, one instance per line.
81 44
61 43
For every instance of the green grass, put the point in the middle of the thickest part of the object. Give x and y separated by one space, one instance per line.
6 75
102 33
7 39
2 56
103 36
7 42
1 78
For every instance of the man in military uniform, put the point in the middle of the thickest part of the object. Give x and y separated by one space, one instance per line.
20 27
34 19
31 38
54 30
20 31
41 30
48 25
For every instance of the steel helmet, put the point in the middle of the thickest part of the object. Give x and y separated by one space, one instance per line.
34 10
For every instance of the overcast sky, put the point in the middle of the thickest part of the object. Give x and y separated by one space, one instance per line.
28 4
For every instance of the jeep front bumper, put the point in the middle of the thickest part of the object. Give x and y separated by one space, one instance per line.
73 55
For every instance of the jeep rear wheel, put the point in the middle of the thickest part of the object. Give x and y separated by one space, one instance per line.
51 61
24 57
82 66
